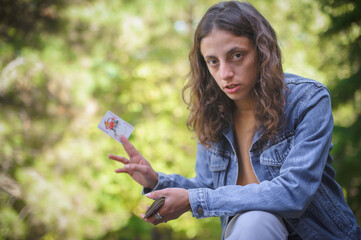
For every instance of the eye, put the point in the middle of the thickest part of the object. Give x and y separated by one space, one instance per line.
237 56
212 62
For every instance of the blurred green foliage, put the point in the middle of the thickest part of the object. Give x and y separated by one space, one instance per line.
342 42
63 64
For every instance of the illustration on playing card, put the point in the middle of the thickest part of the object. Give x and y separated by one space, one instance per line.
114 126
111 123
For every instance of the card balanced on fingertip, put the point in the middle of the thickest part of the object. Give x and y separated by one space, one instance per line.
114 126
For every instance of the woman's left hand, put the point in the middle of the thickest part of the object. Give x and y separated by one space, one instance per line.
176 203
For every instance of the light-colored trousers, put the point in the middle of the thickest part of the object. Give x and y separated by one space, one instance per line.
256 225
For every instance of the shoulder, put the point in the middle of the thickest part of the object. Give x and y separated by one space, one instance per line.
301 89
293 81
306 97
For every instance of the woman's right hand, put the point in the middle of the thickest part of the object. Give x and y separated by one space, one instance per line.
137 167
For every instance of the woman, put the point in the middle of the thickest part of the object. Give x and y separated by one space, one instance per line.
263 162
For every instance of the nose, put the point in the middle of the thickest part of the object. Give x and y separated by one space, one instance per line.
226 72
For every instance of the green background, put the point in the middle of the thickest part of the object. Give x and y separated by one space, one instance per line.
64 63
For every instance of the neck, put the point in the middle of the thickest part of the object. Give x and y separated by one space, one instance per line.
245 113
245 105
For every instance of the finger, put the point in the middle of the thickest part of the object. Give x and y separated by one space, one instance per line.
128 147
150 220
118 158
123 170
157 194
153 220
158 221
136 168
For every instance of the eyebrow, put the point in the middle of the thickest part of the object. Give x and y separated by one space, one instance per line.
229 52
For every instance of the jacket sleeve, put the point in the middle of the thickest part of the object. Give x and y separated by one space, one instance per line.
289 193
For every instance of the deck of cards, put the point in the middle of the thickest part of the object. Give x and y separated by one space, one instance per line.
114 126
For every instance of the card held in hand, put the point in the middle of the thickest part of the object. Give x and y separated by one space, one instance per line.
156 205
114 126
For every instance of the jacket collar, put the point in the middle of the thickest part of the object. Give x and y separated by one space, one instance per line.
228 133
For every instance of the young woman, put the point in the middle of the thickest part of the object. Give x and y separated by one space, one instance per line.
263 162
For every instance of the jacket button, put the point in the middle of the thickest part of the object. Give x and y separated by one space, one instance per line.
200 211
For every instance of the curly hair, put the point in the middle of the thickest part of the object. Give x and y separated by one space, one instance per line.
210 109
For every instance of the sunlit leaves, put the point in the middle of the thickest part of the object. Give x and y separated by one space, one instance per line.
130 57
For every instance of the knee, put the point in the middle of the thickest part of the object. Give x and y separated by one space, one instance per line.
256 220
256 225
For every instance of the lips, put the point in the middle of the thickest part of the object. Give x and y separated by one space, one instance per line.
232 88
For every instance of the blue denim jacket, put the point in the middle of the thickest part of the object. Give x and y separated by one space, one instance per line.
296 180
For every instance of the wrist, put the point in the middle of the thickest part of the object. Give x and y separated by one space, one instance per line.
153 182
189 207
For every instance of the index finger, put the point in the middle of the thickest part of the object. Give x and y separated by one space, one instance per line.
128 147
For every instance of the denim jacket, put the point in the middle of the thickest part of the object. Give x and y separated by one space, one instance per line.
296 180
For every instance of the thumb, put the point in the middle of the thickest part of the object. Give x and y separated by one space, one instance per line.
156 194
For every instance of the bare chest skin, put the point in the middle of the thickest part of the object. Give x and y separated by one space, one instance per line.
245 128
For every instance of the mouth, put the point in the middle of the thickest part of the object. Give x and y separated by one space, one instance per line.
232 88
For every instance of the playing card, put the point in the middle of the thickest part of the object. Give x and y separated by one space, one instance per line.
114 126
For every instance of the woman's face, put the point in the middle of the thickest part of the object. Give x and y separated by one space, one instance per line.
232 62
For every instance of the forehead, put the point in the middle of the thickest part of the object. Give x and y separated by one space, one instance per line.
219 42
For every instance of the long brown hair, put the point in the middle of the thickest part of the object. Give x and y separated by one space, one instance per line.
210 109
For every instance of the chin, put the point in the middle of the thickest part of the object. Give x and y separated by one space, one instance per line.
236 98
